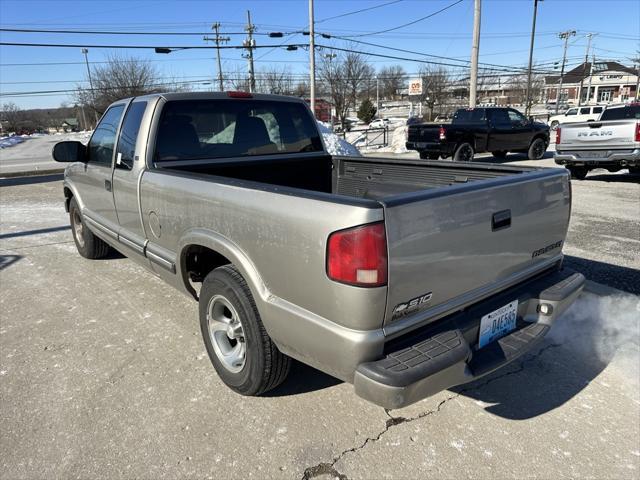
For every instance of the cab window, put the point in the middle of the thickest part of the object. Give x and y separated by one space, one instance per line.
516 118
104 138
129 133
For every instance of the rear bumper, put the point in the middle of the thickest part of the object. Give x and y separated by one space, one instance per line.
424 363
613 158
444 149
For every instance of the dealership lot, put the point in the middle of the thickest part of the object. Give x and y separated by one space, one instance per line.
103 373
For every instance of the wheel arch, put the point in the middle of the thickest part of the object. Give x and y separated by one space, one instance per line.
200 251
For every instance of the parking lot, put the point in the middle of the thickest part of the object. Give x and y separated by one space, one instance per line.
103 373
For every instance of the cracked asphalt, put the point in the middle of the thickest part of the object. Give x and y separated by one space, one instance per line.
103 374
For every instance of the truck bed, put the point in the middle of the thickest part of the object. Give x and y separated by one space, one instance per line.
360 177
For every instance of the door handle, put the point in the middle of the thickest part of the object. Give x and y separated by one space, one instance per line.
107 185
500 220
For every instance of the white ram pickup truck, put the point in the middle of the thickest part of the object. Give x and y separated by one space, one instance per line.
612 142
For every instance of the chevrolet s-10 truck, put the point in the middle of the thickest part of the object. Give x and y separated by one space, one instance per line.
403 277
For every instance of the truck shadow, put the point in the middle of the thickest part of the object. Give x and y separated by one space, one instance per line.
303 379
579 347
605 176
8 260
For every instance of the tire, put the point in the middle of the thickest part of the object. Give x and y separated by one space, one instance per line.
429 156
239 348
499 154
554 124
537 149
578 173
464 153
88 245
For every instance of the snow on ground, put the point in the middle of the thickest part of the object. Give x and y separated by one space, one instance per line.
336 145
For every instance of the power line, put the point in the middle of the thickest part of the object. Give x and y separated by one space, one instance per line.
358 11
410 23
113 32
189 47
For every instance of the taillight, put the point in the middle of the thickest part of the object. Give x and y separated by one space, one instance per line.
638 132
558 130
443 133
239 95
358 256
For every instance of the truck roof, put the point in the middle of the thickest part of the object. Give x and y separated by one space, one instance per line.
218 96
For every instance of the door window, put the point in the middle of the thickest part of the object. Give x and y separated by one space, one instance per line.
585 111
499 118
597 109
104 138
129 133
573 111
517 119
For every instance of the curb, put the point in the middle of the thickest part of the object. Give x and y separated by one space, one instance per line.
31 173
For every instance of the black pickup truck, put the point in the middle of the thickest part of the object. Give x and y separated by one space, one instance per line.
475 130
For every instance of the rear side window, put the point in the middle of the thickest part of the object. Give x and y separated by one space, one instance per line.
104 138
129 131
201 129
585 111
621 113
499 117
475 115
597 109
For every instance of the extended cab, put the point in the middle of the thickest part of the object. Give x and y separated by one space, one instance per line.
496 130
403 277
612 142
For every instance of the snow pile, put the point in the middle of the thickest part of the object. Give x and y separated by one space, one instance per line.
399 139
6 142
336 145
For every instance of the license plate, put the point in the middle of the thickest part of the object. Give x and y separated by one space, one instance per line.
421 144
498 323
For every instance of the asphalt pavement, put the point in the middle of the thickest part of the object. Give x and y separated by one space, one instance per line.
103 374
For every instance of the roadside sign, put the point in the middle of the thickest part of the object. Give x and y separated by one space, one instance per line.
415 86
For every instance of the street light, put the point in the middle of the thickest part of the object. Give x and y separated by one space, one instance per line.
85 52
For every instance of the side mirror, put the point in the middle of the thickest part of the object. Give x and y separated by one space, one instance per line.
69 152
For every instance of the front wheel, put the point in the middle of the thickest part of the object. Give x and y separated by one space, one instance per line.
88 245
242 353
537 149
578 173
464 153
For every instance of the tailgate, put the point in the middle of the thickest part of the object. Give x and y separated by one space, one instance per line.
424 133
451 246
597 135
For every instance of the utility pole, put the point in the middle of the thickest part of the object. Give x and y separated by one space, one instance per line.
312 59
475 50
250 44
584 70
85 52
377 96
527 108
218 39
563 36
593 60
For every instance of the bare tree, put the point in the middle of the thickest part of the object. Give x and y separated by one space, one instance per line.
358 75
237 78
121 77
392 79
435 87
332 74
275 80
11 115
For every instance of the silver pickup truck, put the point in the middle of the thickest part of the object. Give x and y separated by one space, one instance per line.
612 142
403 277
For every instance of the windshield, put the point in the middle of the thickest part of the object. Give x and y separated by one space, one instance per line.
197 129
621 113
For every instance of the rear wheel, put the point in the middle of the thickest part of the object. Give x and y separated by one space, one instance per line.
537 149
499 154
88 245
242 353
464 153
578 173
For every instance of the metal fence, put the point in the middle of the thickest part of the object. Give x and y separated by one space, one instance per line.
367 137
